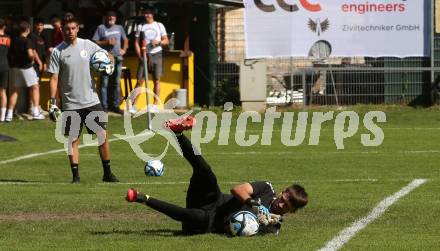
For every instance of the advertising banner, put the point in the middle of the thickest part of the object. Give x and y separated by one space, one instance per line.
278 28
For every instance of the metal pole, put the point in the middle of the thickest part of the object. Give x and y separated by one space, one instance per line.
303 79
291 81
334 85
144 56
432 13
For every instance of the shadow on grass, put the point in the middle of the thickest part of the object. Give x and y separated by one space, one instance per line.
155 232
14 181
6 138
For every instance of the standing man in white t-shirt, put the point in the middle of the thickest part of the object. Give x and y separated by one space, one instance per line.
152 36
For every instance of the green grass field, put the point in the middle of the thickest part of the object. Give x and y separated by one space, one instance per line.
41 210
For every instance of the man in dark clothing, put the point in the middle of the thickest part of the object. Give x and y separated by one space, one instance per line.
208 210
40 52
5 43
39 45
54 36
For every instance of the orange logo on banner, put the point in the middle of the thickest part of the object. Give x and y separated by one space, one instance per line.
310 7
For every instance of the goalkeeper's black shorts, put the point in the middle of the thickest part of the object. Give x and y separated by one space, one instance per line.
73 124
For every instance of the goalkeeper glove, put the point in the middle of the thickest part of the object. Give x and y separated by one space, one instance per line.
54 111
274 219
261 211
256 204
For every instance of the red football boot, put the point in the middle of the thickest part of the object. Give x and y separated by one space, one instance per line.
131 195
181 124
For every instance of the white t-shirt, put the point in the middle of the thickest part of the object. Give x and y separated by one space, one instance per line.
153 31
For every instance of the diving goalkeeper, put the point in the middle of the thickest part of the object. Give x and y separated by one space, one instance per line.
208 210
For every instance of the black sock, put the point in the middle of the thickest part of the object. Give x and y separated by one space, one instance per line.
75 170
106 167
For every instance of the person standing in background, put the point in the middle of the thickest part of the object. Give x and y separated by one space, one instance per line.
154 35
111 37
5 43
56 36
22 72
39 45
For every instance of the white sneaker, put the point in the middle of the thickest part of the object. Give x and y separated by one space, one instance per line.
38 116
8 119
133 110
153 108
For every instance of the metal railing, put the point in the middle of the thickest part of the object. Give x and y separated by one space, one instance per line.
339 81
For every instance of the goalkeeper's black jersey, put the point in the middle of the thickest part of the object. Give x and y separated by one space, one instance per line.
228 205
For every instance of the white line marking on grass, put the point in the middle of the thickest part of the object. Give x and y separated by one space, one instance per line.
367 180
287 152
345 235
422 151
357 180
32 155
239 182
28 156
331 129
24 183
413 128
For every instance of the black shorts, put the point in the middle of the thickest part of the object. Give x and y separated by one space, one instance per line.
215 218
81 115
155 68
4 79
